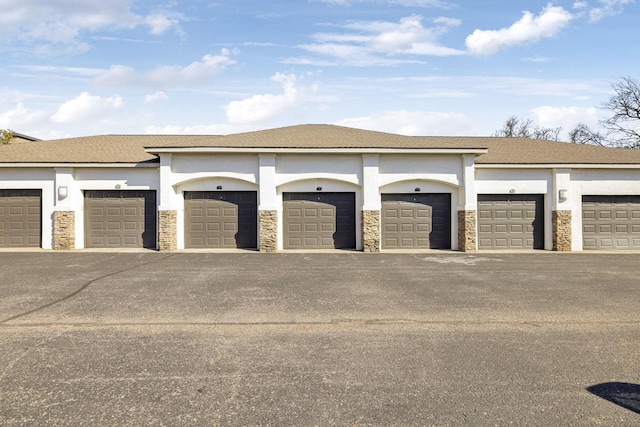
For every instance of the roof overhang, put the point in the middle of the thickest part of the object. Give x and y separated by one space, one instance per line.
243 150
80 165
557 166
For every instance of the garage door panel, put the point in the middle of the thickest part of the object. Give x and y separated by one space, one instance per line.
517 228
221 219
311 213
423 228
326 220
416 221
20 218
422 242
485 228
500 215
620 214
17 210
513 221
501 243
516 214
611 222
120 219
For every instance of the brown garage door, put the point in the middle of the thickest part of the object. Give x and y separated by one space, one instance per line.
319 220
511 221
20 218
411 221
120 219
221 219
611 222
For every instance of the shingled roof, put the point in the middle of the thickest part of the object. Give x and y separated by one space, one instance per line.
141 148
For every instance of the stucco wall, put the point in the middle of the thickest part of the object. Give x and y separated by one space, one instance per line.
145 178
439 168
598 182
242 167
34 179
367 175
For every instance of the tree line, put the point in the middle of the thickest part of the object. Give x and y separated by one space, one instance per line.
620 129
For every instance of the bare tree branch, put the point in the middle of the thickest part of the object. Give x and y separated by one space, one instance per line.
623 127
515 127
582 134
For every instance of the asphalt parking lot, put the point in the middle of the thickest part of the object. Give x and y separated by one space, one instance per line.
349 339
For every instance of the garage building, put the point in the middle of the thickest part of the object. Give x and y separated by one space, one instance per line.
317 187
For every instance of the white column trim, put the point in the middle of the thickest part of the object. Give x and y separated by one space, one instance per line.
167 196
469 198
268 197
371 182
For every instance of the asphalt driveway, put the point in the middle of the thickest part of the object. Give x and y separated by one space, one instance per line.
319 339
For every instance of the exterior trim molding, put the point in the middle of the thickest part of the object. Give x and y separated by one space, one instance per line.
257 150
571 166
151 165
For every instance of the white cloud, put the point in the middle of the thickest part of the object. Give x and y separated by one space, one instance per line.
86 106
528 29
198 72
378 43
536 59
54 26
567 117
160 23
414 123
156 97
259 108
19 118
607 8
407 3
202 129
440 93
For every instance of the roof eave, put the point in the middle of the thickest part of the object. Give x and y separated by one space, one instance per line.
343 150
147 164
558 165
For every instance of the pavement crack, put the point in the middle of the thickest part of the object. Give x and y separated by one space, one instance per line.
81 288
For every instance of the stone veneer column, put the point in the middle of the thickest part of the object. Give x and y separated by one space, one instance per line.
370 231
64 230
467 231
268 231
561 230
167 230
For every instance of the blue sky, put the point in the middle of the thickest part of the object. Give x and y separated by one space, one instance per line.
415 67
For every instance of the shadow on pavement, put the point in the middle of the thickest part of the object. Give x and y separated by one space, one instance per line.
626 395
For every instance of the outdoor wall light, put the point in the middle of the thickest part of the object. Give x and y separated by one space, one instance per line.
63 192
219 187
318 188
417 189
563 195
